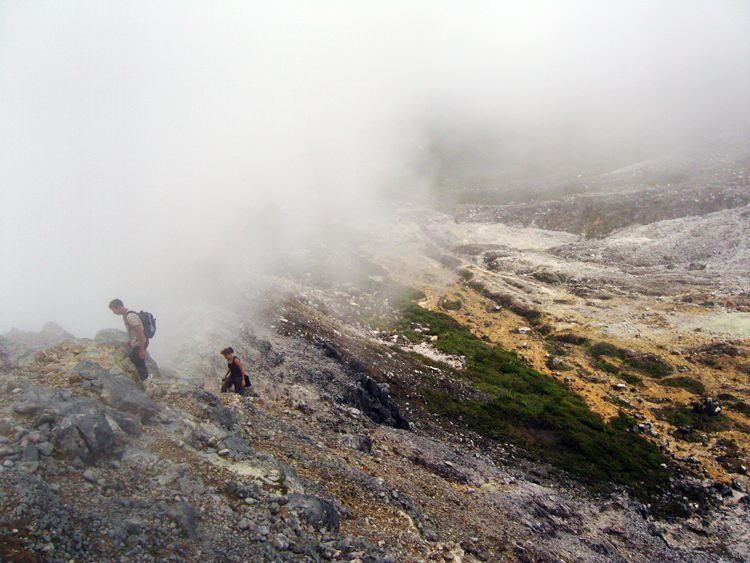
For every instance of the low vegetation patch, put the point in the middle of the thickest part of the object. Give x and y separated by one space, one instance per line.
604 365
687 383
450 304
570 338
647 364
688 422
556 363
629 378
730 456
735 404
535 411
600 349
650 364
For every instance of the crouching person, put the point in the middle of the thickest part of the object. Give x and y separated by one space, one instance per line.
235 375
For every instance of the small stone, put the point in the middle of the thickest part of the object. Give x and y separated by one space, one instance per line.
6 428
27 408
30 453
28 466
91 476
45 448
740 484
281 542
223 452
133 526
244 524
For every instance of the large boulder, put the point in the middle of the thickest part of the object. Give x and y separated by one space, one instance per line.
19 347
238 447
120 393
185 517
317 512
117 390
84 433
373 400
111 336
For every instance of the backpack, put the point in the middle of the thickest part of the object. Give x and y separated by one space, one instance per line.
149 323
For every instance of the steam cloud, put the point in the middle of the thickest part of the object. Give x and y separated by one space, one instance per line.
157 151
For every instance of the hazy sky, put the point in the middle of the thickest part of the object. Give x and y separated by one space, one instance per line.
151 150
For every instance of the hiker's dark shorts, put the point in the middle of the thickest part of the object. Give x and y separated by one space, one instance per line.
235 382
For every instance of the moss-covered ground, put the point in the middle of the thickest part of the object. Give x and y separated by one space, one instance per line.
535 411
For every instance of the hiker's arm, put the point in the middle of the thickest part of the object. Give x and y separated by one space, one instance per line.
141 342
140 337
242 369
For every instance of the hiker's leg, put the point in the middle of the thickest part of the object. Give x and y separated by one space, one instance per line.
238 388
139 364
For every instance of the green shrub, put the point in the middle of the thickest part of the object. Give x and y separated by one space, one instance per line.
570 338
731 457
650 365
557 366
629 378
450 305
740 407
684 416
605 349
604 365
737 405
687 383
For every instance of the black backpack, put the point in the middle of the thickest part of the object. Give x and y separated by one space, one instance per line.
149 323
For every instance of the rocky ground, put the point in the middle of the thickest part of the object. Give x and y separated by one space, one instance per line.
340 457
323 465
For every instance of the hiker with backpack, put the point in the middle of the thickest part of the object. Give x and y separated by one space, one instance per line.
235 375
140 326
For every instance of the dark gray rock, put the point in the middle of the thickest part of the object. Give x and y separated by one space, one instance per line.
374 401
223 417
111 336
84 435
185 516
30 453
357 442
28 409
45 448
117 390
19 348
317 512
708 406
129 424
88 370
239 447
6 428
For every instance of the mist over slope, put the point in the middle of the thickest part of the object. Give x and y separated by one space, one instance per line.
164 153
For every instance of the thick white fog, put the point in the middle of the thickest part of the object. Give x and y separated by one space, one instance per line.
160 151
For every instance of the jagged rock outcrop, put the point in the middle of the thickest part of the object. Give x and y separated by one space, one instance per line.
373 400
94 467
